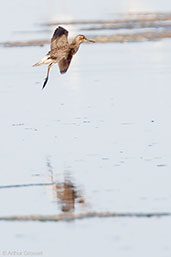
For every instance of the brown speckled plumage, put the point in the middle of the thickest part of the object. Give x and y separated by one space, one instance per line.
61 51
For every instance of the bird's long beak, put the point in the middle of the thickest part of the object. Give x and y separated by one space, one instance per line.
89 40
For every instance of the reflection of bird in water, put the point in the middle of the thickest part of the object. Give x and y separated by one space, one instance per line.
68 196
61 51
66 193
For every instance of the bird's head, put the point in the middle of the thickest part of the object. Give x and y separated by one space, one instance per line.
81 39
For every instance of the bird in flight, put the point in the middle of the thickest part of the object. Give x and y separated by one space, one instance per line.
61 51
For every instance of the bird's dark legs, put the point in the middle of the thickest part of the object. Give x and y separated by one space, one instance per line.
46 79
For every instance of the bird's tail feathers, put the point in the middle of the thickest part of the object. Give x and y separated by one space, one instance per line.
45 60
37 64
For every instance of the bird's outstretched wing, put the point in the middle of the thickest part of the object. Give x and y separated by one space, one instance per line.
60 38
65 62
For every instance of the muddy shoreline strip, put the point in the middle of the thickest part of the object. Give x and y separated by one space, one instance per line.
117 38
122 18
72 216
27 185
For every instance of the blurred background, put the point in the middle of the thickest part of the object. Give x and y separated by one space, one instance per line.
96 141
19 16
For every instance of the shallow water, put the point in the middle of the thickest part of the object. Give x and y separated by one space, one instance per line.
100 134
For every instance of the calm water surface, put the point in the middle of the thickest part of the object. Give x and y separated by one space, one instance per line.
101 132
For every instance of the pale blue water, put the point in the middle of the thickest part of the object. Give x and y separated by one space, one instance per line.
105 124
